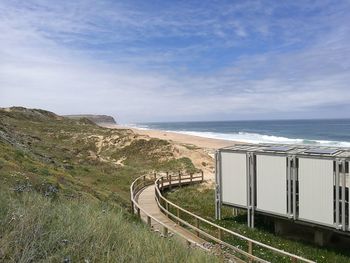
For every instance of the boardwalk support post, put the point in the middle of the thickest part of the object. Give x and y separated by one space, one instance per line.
250 249
197 226
165 231
138 212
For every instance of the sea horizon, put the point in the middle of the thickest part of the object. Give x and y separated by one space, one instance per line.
318 132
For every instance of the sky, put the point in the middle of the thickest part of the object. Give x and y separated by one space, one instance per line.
142 61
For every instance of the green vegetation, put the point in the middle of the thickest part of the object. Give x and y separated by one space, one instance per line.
64 188
191 146
200 201
36 229
152 154
76 156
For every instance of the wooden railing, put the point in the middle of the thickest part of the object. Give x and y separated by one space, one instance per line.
196 223
135 188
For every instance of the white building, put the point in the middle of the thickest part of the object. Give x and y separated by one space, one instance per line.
298 183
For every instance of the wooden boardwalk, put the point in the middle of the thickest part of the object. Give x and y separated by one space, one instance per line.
146 200
152 207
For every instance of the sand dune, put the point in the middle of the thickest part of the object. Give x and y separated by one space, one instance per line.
199 149
197 141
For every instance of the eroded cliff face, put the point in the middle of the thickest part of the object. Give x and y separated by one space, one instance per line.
94 118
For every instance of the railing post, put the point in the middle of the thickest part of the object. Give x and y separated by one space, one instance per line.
167 175
132 207
165 231
179 178
144 180
162 183
170 181
155 176
178 215
149 221
202 176
191 175
250 249
219 233
167 208
138 212
197 226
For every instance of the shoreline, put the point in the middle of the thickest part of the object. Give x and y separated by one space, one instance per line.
218 139
200 150
177 137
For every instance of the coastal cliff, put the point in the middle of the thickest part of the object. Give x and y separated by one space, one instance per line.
98 119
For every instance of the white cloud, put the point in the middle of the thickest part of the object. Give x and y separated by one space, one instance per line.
81 56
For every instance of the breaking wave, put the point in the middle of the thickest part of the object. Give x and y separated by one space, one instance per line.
254 137
262 138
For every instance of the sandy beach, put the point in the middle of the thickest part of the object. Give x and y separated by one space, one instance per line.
201 142
199 149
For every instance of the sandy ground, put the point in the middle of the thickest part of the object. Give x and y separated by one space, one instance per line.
199 149
201 142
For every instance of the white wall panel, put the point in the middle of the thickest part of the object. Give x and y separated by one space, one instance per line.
316 190
234 178
271 183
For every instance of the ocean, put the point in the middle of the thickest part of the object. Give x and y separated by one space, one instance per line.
331 132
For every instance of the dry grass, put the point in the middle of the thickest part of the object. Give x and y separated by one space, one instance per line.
36 229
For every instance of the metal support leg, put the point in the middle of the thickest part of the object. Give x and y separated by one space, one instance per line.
294 177
217 188
252 188
289 192
217 204
248 191
343 194
337 194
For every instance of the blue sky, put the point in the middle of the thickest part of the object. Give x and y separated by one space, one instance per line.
177 60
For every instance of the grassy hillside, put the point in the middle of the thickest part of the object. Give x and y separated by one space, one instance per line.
64 187
54 155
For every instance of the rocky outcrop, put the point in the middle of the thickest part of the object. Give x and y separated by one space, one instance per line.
98 119
41 115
